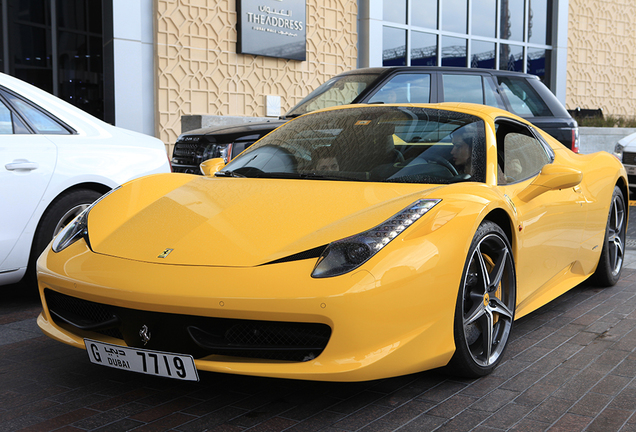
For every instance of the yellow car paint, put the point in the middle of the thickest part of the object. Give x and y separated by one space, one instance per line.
392 316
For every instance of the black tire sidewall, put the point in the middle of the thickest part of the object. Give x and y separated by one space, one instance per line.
50 218
603 275
462 363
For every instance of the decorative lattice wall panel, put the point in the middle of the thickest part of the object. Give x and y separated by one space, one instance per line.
601 70
199 72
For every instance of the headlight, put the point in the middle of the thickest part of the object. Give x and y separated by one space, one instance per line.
618 151
77 229
213 151
345 255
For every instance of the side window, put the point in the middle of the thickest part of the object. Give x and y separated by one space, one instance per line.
524 100
9 123
405 88
40 120
492 95
463 88
520 155
6 125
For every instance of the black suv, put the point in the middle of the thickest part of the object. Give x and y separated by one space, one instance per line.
521 94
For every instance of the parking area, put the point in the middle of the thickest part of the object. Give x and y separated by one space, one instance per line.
571 366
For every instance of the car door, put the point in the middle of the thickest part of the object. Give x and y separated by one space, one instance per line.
27 163
550 225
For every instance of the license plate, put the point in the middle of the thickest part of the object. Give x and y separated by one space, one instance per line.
149 362
631 169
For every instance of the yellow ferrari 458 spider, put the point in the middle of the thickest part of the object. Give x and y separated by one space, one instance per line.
350 244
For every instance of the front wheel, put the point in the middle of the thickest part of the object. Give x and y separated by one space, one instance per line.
610 262
485 307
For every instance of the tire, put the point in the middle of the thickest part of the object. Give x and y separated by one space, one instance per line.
485 307
62 211
610 263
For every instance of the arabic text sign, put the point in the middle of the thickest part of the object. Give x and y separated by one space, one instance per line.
272 28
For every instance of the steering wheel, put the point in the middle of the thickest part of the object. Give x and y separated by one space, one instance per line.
443 162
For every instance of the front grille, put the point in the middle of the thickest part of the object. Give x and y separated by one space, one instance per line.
629 158
631 179
82 314
194 335
185 157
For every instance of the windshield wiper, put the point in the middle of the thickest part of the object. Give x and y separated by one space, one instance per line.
289 116
228 174
311 176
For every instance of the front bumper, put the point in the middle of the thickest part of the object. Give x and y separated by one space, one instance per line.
395 324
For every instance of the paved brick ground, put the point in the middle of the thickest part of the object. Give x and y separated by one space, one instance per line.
571 366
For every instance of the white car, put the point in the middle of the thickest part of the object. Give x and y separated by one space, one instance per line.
55 160
625 151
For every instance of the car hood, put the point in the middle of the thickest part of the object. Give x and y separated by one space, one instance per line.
237 222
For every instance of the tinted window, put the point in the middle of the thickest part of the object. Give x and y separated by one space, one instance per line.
393 47
524 100
463 88
405 88
41 121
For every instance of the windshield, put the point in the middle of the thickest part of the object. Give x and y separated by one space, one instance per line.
340 90
374 143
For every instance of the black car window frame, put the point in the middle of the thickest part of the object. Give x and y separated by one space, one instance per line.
7 94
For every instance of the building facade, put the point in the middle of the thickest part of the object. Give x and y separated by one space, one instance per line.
143 64
601 62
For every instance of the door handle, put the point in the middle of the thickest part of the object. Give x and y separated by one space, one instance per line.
21 164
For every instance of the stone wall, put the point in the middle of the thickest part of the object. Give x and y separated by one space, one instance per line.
200 73
601 70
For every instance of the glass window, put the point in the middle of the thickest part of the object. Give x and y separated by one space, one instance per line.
79 64
482 54
393 47
41 121
6 125
423 13
455 15
520 155
395 11
512 26
453 51
484 17
511 58
2 65
463 88
537 59
371 143
405 88
423 49
540 22
492 94
524 100
339 90
72 14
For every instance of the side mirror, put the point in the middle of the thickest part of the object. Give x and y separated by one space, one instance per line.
551 177
211 166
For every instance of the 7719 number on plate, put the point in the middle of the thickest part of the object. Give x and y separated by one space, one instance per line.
149 362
